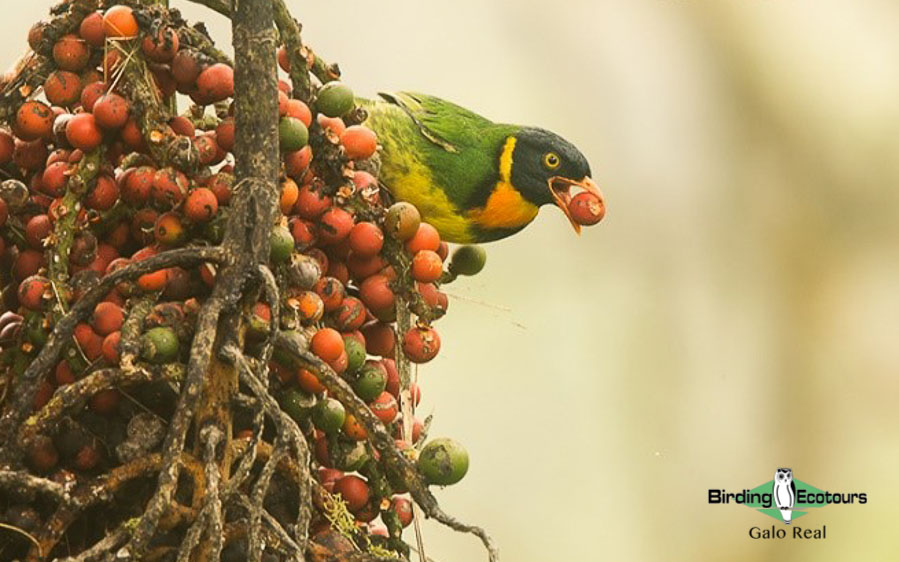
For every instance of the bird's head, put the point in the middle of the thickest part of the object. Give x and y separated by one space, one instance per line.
545 168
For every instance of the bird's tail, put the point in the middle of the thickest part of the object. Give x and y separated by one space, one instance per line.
787 515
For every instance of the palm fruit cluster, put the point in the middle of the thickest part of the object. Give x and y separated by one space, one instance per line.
99 172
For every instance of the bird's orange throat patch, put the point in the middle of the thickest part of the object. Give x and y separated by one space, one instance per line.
506 208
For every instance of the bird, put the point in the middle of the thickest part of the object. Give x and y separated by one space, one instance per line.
472 179
784 490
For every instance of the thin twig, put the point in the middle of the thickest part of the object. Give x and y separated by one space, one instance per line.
384 443
19 403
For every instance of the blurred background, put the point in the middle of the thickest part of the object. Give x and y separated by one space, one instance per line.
736 311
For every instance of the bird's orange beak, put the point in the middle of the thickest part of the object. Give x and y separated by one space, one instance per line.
560 188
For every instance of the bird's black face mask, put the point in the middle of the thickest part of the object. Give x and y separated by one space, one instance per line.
545 168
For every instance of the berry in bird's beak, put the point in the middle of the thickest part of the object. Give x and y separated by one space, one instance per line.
560 188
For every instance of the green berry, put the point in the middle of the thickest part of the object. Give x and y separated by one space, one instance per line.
282 244
329 415
468 260
355 351
371 382
296 403
159 345
292 133
443 462
335 99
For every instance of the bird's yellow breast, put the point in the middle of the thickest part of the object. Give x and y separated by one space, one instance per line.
413 182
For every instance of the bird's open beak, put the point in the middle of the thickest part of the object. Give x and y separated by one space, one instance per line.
561 191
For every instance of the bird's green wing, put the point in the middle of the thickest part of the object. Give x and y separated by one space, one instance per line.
460 148
449 126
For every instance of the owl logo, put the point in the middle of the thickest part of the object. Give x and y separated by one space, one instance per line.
784 493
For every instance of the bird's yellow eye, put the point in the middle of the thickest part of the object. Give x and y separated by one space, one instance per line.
551 160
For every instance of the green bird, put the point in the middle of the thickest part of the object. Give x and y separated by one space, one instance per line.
472 179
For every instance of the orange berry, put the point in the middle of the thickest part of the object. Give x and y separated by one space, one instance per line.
201 205
425 238
168 229
34 120
327 343
119 22
359 142
353 429
298 109
309 382
427 266
289 194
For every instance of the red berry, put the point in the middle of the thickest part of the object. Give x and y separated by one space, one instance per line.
104 194
334 225
107 318
366 239
83 133
331 291
110 348
169 187
92 31
91 93
37 229
201 205
421 344
403 508
63 88
89 342
376 293
379 339
216 83
385 407
71 53
31 292
349 315
106 401
354 490
161 47
586 208
111 111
